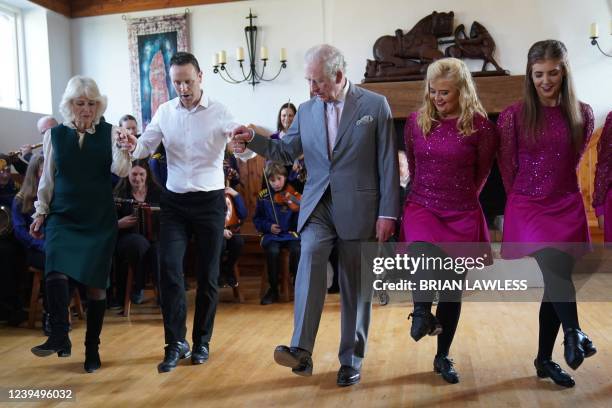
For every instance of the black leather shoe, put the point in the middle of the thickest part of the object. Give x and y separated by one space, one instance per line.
199 353
550 369
299 360
423 323
92 358
347 375
577 347
172 354
444 366
62 347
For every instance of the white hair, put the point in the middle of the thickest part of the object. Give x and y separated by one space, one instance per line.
329 57
80 86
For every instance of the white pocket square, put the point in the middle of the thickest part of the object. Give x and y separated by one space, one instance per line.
364 119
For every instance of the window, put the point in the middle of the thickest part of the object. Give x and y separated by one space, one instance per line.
10 89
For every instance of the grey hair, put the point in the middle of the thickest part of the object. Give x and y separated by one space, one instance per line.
329 56
79 86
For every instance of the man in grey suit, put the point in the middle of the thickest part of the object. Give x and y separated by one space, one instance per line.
351 196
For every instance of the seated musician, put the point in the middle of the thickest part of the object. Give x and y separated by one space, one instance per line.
276 218
22 211
11 252
236 213
133 248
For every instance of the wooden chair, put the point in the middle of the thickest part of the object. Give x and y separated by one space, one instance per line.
37 278
284 278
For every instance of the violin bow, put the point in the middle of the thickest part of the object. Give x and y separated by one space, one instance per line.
270 197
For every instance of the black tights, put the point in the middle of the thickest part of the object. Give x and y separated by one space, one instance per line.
558 305
449 305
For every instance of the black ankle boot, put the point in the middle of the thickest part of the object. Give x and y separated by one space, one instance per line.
550 369
58 299
423 323
95 318
444 366
577 347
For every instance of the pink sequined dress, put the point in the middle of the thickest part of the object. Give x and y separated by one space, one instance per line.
544 206
602 196
448 171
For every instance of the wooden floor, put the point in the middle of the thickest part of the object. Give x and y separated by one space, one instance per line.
493 350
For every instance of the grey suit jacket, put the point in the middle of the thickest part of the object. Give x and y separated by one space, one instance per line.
363 173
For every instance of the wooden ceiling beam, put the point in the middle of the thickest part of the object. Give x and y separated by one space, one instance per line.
59 6
88 8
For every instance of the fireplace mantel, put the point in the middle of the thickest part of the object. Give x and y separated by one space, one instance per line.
496 93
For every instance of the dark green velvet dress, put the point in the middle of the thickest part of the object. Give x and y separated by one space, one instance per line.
81 228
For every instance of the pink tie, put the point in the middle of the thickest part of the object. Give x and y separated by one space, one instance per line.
332 125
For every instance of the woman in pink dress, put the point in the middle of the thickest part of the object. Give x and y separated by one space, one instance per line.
450 146
542 140
602 197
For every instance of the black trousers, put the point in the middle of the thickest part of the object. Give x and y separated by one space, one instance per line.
272 249
204 214
136 251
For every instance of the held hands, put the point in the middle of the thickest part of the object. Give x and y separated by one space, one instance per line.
275 229
125 141
241 135
36 226
227 234
384 229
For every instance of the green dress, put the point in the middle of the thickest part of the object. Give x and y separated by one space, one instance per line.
81 228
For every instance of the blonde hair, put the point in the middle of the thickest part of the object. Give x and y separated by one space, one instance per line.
79 86
455 70
29 188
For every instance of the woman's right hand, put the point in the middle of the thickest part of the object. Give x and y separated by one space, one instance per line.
127 222
35 227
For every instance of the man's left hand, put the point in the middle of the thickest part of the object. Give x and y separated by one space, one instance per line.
385 227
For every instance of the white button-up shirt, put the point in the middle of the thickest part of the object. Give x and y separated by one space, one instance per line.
195 141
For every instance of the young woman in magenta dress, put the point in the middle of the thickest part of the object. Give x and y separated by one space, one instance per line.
602 196
542 140
450 145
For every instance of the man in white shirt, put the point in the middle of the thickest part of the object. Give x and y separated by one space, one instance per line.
194 130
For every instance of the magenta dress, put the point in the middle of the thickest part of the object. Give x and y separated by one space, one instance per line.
602 196
544 206
447 172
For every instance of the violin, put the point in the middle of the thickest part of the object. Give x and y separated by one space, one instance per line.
289 197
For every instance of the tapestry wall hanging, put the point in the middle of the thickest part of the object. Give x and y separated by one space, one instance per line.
152 42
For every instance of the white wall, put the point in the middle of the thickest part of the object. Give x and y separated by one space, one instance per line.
60 56
353 28
17 128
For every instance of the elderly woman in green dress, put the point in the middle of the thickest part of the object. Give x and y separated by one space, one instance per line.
76 213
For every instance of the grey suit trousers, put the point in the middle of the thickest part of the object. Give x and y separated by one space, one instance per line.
318 239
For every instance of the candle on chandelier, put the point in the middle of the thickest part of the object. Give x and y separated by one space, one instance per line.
215 59
283 54
240 54
594 30
222 57
264 53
